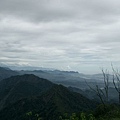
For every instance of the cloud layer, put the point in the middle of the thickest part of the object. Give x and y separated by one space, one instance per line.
80 35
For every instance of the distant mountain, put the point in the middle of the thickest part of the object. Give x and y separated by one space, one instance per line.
66 78
17 87
50 105
6 72
90 94
18 67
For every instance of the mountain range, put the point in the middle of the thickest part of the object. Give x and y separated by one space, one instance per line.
28 93
67 78
6 72
17 87
48 94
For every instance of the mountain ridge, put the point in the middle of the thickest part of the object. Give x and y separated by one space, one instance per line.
17 87
50 105
6 73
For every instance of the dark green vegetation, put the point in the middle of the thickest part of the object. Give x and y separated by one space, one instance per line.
21 94
110 112
17 87
55 102
107 112
28 97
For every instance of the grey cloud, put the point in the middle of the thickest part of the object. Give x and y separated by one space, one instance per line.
35 10
60 33
44 10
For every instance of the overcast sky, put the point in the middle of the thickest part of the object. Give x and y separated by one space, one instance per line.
80 35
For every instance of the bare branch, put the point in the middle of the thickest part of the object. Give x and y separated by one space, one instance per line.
115 84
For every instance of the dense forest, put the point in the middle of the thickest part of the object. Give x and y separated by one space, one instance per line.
29 97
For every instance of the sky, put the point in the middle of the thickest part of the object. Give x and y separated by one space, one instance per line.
79 35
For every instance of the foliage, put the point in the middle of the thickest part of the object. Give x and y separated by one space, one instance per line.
51 104
110 112
80 116
30 115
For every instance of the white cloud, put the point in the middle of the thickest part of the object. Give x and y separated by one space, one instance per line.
83 35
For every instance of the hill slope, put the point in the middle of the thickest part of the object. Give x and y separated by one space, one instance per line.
17 87
49 106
